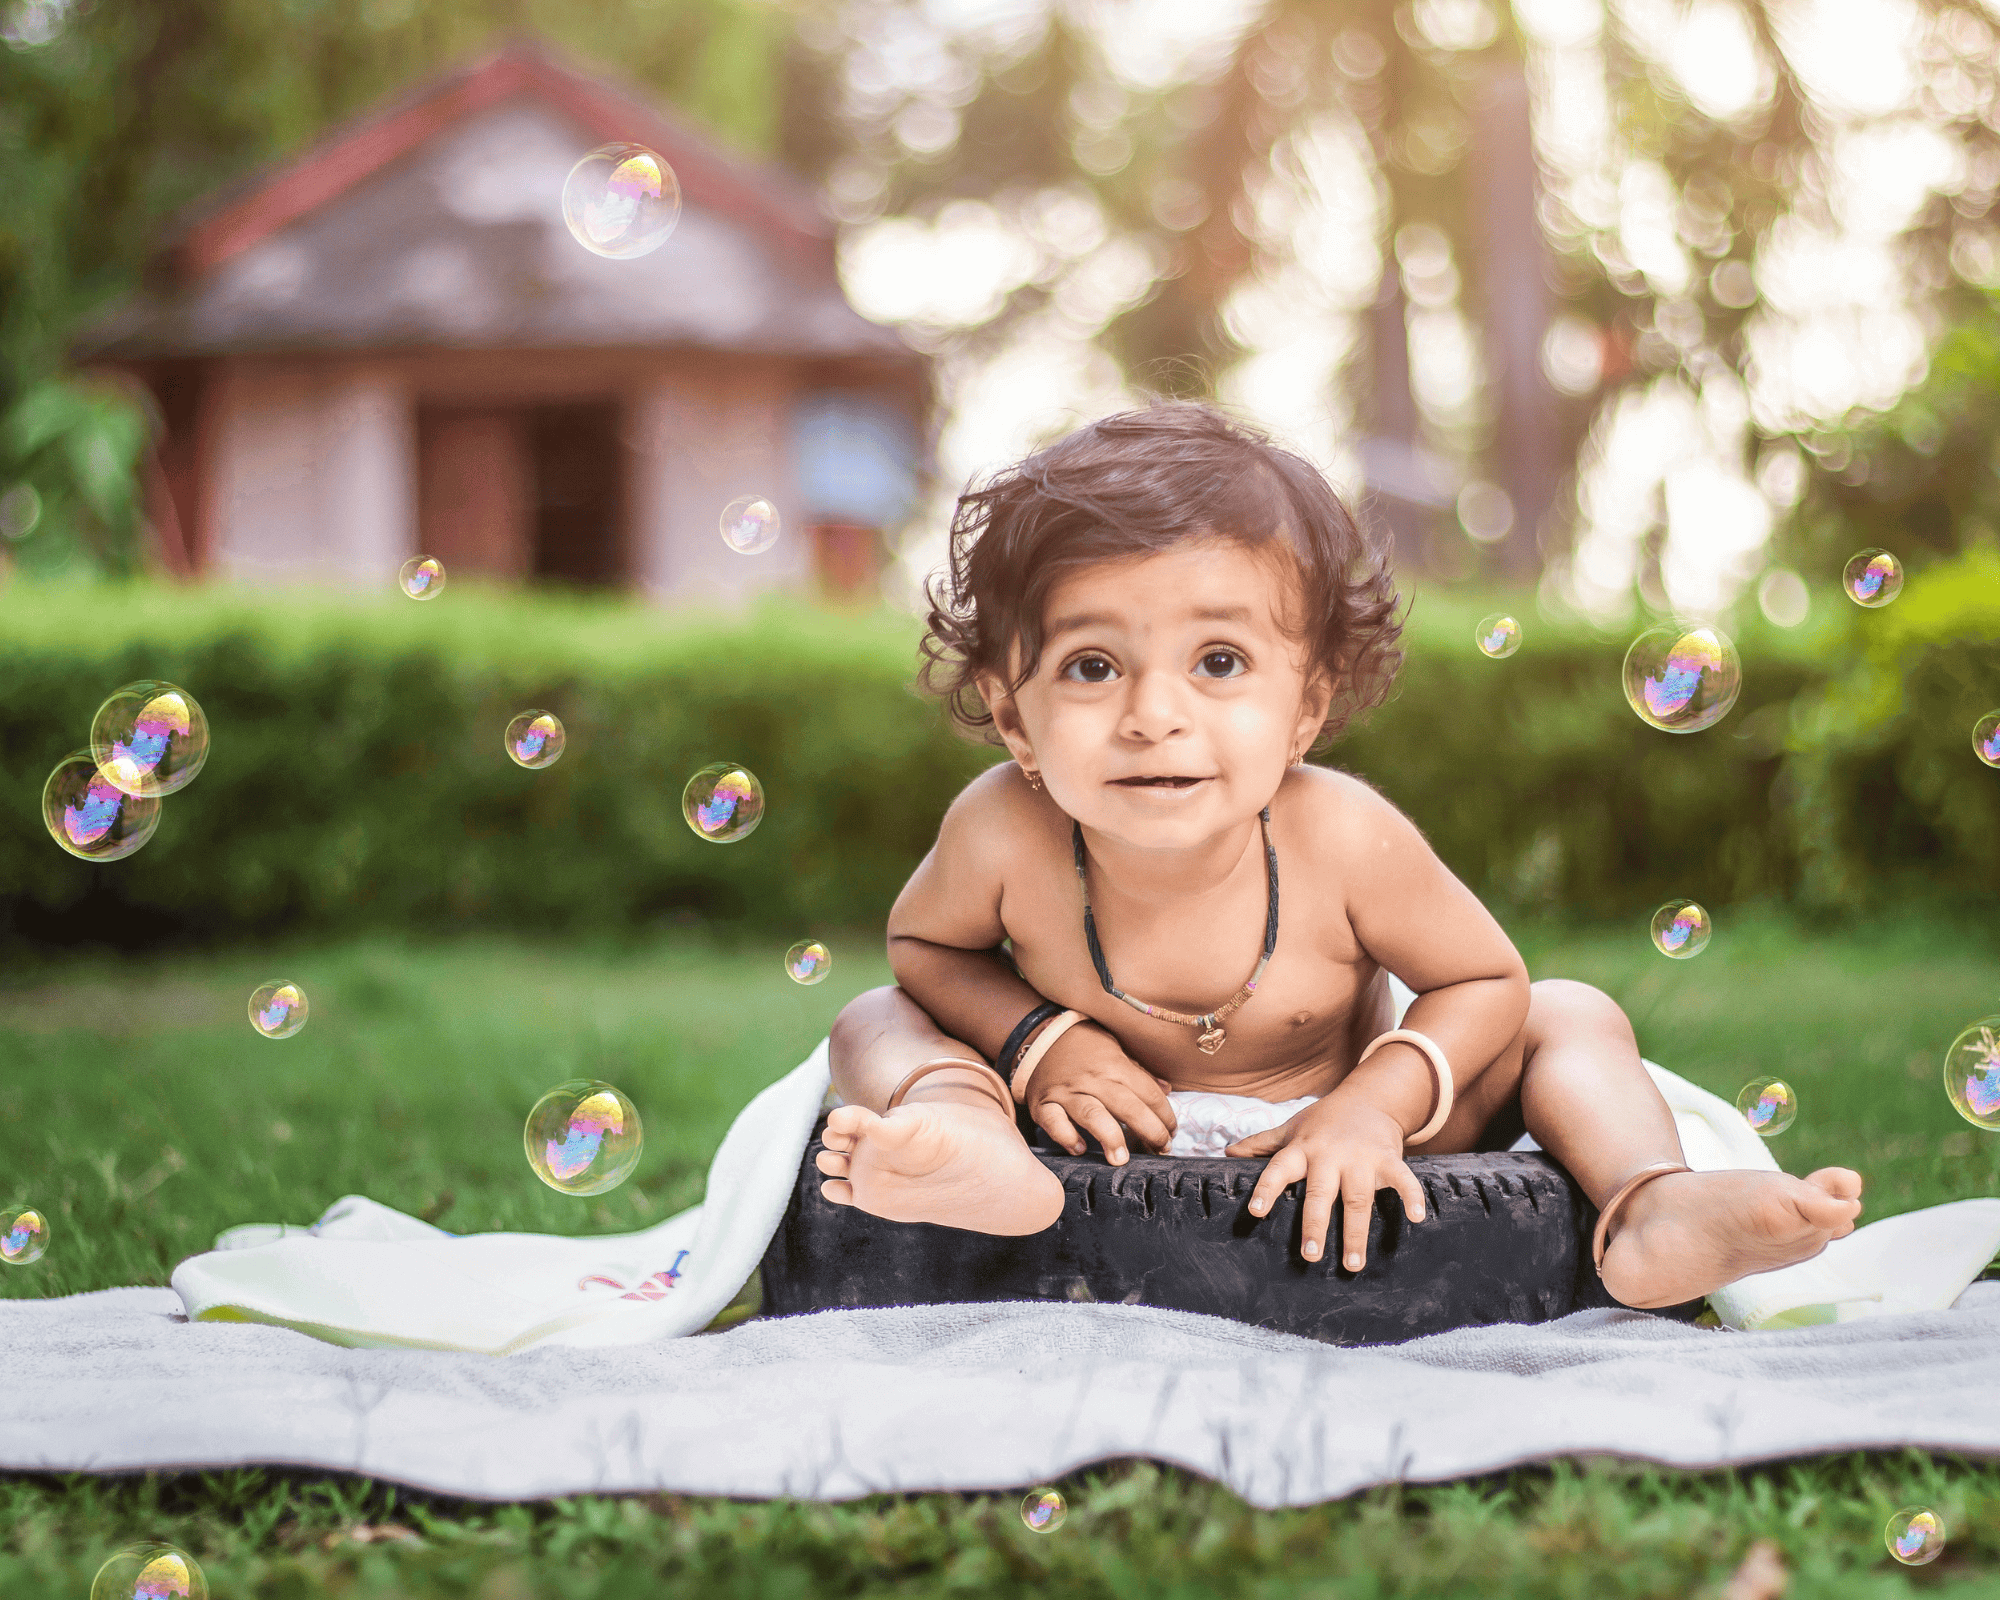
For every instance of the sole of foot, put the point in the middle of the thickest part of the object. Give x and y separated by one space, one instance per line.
942 1161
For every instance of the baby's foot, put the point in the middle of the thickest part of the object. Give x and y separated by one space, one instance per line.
943 1161
1689 1233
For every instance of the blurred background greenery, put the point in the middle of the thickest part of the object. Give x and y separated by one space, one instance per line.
1605 310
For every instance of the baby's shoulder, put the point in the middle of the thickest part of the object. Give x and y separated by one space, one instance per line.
1334 816
996 819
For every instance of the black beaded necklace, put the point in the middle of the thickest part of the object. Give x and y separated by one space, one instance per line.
1212 1037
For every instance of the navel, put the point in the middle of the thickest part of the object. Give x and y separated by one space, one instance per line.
1300 1019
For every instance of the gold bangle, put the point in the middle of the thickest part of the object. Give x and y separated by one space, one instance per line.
938 1064
1031 1057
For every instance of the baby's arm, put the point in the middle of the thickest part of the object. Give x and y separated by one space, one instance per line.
944 933
1414 917
1410 914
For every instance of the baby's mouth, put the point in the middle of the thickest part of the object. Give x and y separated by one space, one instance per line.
1158 783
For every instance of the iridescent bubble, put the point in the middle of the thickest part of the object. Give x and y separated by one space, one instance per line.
808 962
1768 1105
1872 577
93 818
1972 1074
583 1137
278 1010
621 201
750 524
150 1571
1915 1536
1498 636
422 577
150 738
723 802
535 739
1682 678
1681 929
24 1236
1986 738
1044 1510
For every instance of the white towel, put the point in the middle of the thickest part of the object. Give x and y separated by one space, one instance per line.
368 1276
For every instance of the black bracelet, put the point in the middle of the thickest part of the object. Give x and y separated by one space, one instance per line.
1027 1025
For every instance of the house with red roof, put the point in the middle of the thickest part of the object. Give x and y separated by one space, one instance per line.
391 345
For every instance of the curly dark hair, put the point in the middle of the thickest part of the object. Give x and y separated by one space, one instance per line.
1135 484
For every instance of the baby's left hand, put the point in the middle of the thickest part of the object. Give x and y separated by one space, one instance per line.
1344 1148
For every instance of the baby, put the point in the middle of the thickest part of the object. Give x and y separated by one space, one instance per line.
1159 615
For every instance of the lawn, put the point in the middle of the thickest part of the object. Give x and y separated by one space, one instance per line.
145 1116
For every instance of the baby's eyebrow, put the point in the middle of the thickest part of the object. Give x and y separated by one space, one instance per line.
1104 619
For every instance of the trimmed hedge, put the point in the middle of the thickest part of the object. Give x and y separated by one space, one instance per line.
356 777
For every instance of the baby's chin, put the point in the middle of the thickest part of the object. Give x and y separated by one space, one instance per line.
1167 817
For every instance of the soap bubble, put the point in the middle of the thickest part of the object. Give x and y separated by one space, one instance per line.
1681 929
1872 577
583 1138
20 511
1972 1074
150 738
1768 1105
150 1571
808 962
621 201
535 739
422 577
24 1236
1915 1536
93 818
1986 738
749 524
278 1010
1499 636
723 802
1043 1510
1680 678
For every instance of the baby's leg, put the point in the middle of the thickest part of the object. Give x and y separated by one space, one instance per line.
1589 1101
948 1154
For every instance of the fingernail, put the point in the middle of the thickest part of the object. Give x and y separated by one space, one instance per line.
1353 1263
1312 1249
1118 1158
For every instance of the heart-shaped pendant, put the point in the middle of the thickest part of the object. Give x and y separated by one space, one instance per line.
1210 1041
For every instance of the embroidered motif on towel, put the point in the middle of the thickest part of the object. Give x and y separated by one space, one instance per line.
652 1288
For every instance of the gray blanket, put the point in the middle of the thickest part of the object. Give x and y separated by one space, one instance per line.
847 1403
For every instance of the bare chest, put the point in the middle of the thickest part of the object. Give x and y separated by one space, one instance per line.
1321 998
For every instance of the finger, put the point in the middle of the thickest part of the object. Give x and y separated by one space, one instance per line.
838 1191
1283 1168
834 1163
1146 1124
1261 1144
1359 1207
1321 1192
1164 1107
1103 1126
1054 1121
1405 1183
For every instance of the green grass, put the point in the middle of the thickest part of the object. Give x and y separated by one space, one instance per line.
145 1116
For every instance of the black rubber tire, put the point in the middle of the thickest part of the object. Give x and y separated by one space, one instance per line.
1507 1240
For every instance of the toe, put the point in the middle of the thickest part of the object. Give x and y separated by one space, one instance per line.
837 1191
834 1163
1840 1182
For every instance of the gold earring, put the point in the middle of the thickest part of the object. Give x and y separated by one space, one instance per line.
1034 779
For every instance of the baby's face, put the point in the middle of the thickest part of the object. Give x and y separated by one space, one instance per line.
1168 701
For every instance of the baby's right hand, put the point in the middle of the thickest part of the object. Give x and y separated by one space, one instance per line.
1087 1079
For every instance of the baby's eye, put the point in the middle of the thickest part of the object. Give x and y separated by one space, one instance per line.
1223 664
1089 669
